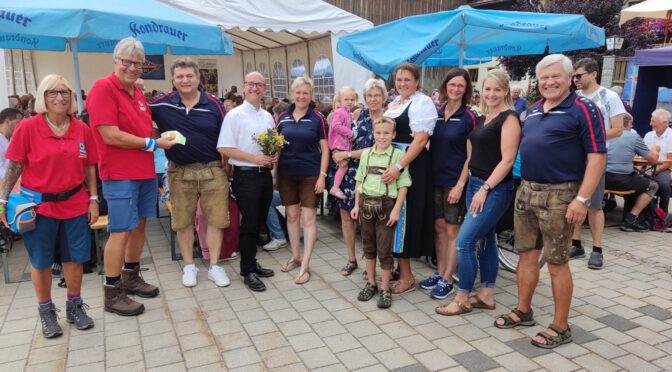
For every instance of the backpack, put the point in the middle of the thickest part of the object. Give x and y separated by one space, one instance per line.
655 218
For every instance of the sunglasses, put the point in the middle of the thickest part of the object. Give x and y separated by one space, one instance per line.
579 76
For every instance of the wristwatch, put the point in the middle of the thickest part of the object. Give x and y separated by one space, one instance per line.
486 187
94 198
399 167
584 201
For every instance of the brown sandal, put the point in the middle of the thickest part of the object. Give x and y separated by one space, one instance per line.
396 288
463 308
480 304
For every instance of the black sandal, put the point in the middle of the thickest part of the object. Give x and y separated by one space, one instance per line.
552 342
349 268
525 319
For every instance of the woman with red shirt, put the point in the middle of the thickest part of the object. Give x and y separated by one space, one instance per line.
54 154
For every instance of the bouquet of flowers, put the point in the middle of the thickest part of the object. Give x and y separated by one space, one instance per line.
270 141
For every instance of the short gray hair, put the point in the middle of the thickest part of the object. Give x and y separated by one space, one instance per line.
375 83
516 87
129 46
555 58
662 114
617 89
184 62
280 107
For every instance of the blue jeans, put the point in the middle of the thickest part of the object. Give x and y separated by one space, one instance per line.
481 228
272 221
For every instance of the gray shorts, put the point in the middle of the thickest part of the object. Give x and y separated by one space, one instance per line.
598 194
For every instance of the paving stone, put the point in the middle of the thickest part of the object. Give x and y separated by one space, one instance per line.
453 345
305 341
413 368
655 312
604 349
87 340
329 328
647 335
395 358
233 341
580 336
475 361
342 342
516 362
435 360
633 363
415 344
163 356
362 328
86 356
48 354
202 356
122 340
124 355
356 358
294 327
652 323
159 341
491 346
241 357
664 363
319 357
555 362
269 341
279 357
378 343
614 336
617 322
523 346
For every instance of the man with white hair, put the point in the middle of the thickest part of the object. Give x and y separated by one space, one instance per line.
519 102
661 135
554 193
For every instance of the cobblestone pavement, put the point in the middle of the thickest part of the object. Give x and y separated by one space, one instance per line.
621 319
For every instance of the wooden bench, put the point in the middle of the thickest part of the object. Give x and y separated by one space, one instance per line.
627 205
97 228
620 193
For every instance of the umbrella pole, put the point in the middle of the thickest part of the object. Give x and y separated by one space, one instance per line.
422 76
78 82
667 26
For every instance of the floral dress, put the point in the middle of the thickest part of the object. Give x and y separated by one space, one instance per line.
364 139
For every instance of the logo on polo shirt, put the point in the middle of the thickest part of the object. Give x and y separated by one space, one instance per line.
82 150
141 106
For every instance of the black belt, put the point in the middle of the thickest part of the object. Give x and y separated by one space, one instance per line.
60 196
252 169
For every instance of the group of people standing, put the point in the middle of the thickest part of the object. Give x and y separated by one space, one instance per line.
420 182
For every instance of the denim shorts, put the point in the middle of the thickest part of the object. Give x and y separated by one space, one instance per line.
74 238
128 201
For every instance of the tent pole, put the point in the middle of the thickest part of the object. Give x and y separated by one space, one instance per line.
422 76
78 82
667 27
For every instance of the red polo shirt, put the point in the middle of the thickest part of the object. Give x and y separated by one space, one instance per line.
54 164
108 103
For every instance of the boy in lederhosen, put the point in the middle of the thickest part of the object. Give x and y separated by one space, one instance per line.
377 206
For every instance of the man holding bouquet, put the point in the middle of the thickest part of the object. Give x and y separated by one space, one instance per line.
252 181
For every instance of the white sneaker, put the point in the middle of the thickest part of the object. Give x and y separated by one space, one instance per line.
218 275
189 273
275 244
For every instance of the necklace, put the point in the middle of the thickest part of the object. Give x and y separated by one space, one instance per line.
59 130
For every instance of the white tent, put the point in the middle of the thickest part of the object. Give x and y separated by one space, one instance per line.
262 26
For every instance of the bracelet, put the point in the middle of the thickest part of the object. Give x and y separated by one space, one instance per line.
399 166
350 154
150 144
323 173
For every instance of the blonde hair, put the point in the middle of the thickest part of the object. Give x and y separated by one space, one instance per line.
502 79
48 83
346 90
386 120
302 80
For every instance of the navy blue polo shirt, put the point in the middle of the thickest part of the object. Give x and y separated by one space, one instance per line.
555 144
301 157
200 125
448 145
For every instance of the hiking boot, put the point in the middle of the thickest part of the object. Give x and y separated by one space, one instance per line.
430 282
75 313
441 290
595 261
49 320
133 284
385 299
116 301
367 292
577 251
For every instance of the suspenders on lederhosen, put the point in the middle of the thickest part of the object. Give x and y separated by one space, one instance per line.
372 206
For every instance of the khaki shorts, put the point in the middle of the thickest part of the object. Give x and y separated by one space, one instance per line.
452 213
299 189
190 182
539 218
377 237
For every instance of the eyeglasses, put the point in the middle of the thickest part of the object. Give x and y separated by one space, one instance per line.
129 63
255 85
54 93
579 76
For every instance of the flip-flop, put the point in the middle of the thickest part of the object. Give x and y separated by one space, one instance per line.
410 288
480 304
298 279
290 265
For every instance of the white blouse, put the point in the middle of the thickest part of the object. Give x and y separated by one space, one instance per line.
422 113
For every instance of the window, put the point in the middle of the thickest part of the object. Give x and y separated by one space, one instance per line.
19 72
264 71
323 78
279 81
248 68
298 69
473 72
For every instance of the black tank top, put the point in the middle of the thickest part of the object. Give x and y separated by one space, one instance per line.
403 127
486 146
